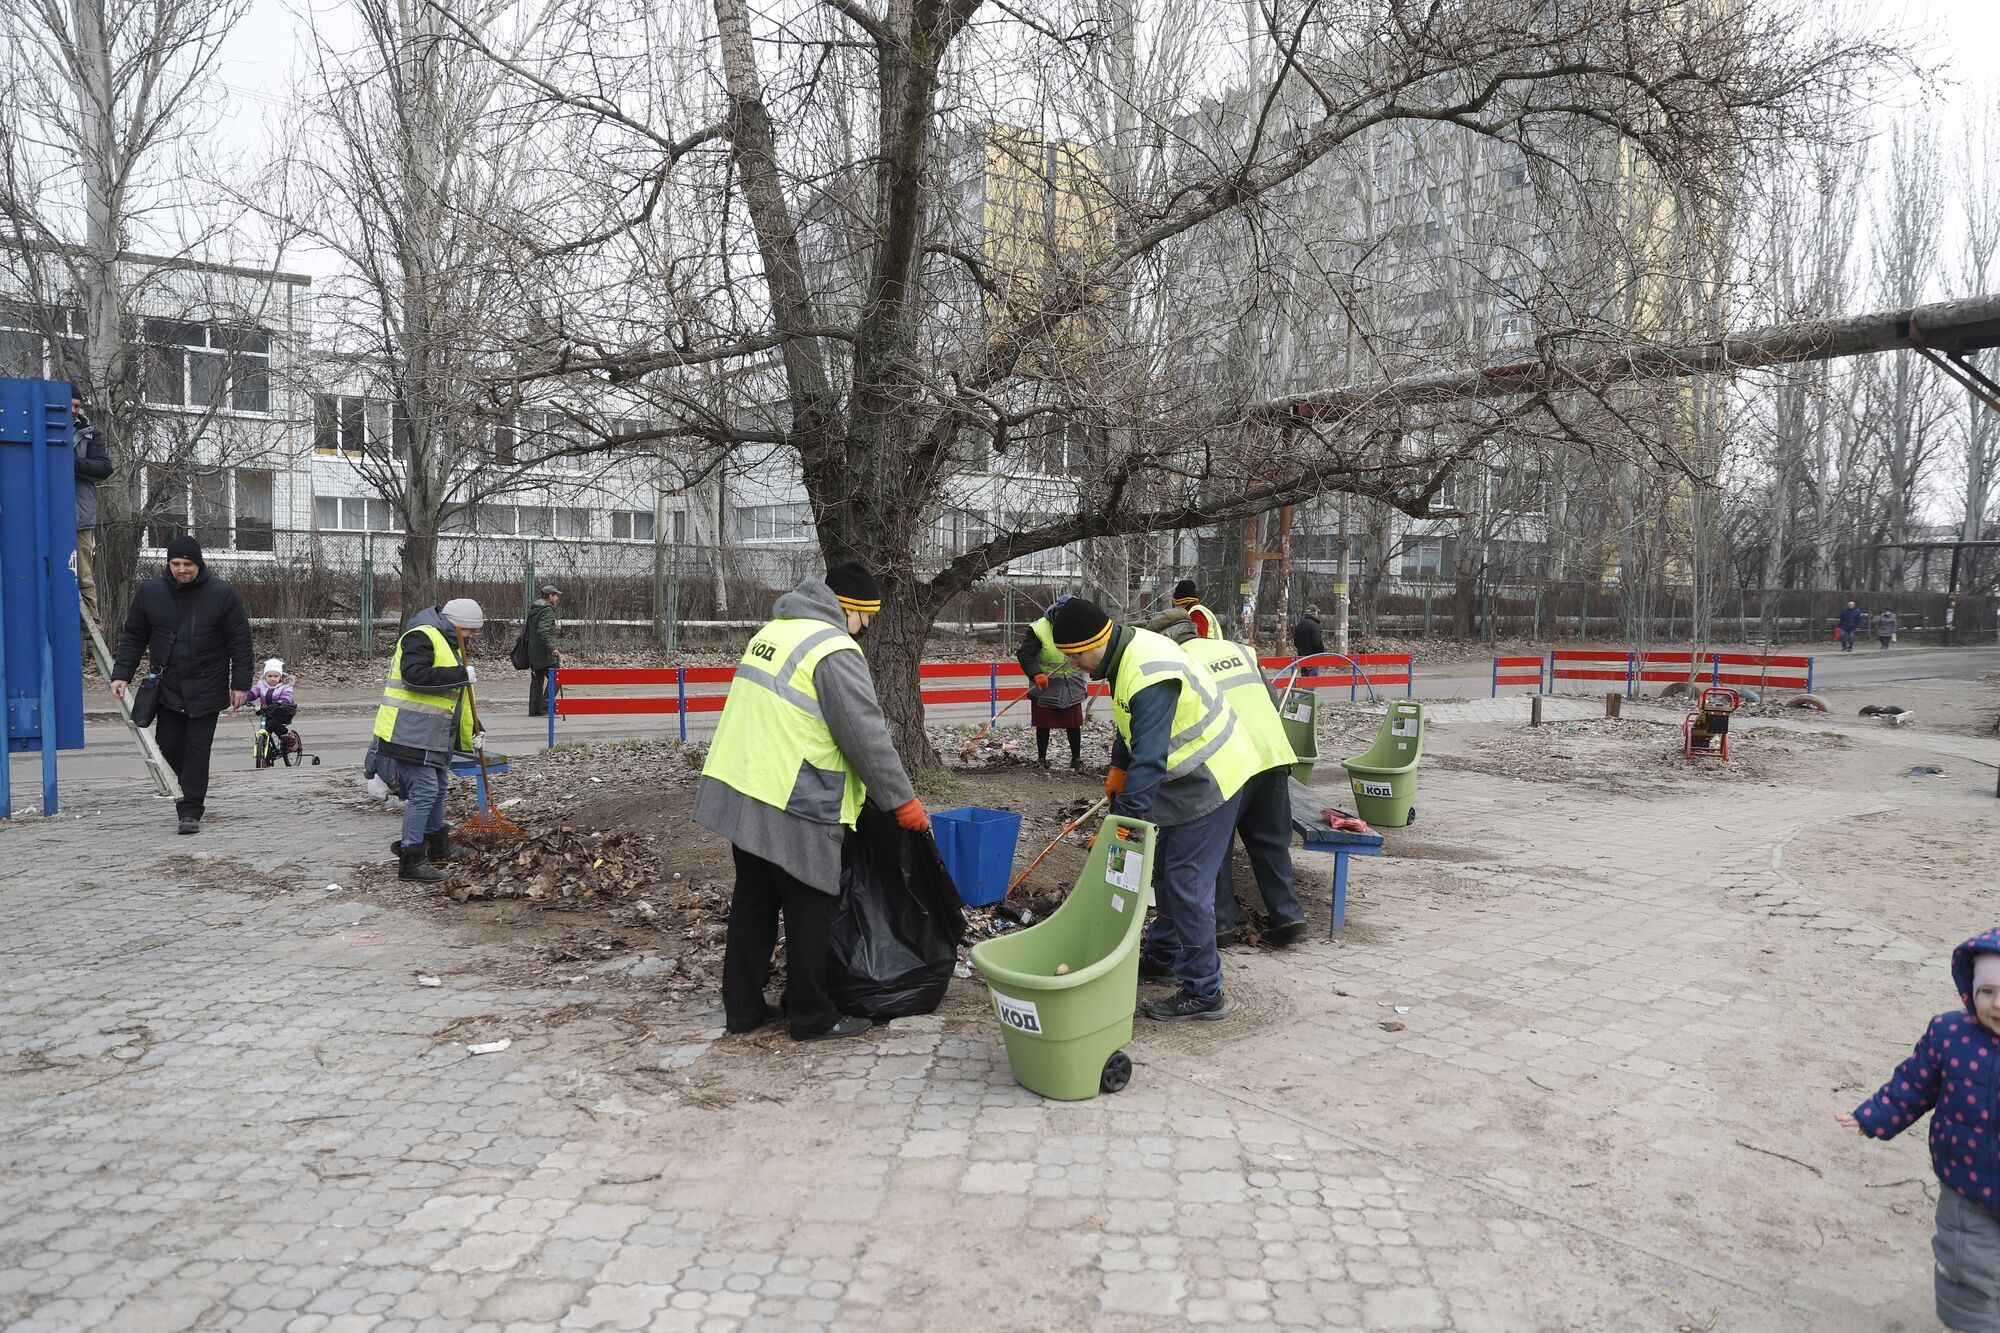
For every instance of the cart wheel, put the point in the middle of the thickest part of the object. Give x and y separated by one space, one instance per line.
1117 1072
1413 817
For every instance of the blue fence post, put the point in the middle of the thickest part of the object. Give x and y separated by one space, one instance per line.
1410 678
38 439
550 700
1631 672
1496 680
681 684
992 691
1715 676
1809 671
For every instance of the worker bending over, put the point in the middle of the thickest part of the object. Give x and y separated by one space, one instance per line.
800 745
1179 760
1264 822
1206 625
1056 690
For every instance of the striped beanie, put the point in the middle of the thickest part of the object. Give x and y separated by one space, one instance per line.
855 587
1078 626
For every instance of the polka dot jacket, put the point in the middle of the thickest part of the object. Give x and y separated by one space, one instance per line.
1955 1069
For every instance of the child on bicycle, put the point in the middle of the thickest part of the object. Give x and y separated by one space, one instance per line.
274 698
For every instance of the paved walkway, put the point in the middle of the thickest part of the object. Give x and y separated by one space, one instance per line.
1536 1085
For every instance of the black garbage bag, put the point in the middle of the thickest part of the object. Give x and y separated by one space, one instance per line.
896 931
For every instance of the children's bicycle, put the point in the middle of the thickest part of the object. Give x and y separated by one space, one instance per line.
272 746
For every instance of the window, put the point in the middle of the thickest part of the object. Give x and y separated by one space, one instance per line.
38 343
625 427
224 508
774 523
458 522
573 522
353 513
631 525
349 425
254 509
1514 177
167 505
495 520
206 366
544 436
1424 556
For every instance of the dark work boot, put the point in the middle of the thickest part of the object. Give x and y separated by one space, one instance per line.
412 867
441 848
1185 1006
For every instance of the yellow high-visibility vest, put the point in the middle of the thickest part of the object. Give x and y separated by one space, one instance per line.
772 743
1242 684
1206 733
431 720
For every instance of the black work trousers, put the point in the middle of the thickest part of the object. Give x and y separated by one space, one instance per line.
763 892
184 743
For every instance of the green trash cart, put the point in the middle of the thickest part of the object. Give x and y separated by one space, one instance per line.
1298 710
1063 1033
1385 778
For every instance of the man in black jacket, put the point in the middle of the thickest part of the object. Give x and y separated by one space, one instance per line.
194 630
1307 638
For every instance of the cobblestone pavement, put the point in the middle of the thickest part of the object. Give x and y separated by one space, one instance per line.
1539 1083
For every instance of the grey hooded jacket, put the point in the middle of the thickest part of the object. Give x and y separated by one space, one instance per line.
807 851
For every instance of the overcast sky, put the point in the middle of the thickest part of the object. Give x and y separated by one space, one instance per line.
265 54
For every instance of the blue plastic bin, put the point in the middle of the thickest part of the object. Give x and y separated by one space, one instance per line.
978 849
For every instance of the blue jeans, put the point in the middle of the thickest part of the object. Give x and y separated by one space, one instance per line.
1265 825
423 801
1184 896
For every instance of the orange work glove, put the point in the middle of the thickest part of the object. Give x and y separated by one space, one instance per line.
1114 781
1041 680
912 816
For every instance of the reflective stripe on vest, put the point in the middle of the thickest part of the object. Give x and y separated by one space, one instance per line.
772 743
421 719
1205 730
1234 668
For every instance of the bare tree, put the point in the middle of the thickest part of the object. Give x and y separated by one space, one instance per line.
101 106
1977 268
830 145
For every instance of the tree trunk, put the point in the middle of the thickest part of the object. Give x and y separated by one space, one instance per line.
895 647
419 567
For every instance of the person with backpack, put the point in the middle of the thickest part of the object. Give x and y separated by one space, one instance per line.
541 648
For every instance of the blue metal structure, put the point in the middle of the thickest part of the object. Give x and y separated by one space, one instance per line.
41 634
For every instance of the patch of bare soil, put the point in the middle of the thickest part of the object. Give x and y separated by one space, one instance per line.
1632 754
1919 872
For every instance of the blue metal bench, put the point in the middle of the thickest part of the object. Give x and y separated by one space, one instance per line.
1317 837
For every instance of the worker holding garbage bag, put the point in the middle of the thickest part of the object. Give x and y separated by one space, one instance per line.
1180 760
800 745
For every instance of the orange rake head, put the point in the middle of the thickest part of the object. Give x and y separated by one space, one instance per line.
491 825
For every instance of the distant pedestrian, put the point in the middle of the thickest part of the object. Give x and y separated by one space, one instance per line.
1850 624
1056 690
93 464
425 717
1952 1074
1308 639
195 634
542 651
1885 628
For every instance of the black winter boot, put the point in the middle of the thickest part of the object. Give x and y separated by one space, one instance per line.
441 848
414 868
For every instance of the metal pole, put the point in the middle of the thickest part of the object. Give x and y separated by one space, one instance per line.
38 440
528 580
673 610
367 596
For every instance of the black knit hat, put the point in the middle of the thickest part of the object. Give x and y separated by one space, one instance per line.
185 547
1078 626
855 587
1184 593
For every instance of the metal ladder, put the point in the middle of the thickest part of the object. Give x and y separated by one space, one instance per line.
163 776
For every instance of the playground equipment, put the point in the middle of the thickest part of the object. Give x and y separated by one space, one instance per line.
1385 778
1705 733
41 643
